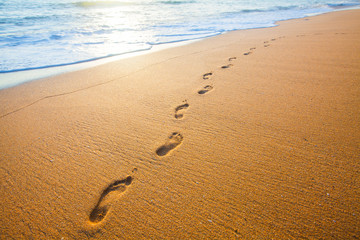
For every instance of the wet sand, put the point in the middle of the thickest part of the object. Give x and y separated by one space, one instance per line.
248 135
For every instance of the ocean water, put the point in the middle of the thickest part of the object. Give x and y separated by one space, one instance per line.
46 33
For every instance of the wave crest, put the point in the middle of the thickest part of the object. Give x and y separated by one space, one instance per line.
176 2
89 4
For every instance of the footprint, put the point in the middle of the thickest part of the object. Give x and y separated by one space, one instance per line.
247 53
266 45
253 48
205 89
227 66
178 110
207 75
174 140
232 58
108 196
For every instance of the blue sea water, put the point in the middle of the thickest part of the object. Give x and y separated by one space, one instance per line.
42 33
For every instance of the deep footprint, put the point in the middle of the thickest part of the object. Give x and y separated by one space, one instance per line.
109 195
178 110
207 75
206 89
174 140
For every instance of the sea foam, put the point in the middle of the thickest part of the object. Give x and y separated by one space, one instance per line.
47 33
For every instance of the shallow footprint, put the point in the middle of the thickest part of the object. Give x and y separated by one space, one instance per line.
207 75
174 140
108 196
232 58
178 110
205 89
226 66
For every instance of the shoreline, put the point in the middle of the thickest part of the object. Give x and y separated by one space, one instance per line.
16 77
253 134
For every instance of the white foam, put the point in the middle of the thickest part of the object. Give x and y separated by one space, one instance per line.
12 79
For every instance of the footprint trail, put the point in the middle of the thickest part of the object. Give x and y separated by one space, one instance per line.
180 109
108 196
174 141
205 89
227 66
207 75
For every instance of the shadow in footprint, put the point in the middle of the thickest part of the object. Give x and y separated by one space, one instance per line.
226 66
207 75
179 110
205 89
232 58
174 140
247 53
108 196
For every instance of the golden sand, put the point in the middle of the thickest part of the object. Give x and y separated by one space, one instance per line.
248 135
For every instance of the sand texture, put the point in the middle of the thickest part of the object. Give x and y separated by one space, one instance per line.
248 135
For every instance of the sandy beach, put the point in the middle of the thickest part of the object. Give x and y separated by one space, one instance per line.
252 134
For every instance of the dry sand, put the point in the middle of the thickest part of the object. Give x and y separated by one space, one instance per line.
249 135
